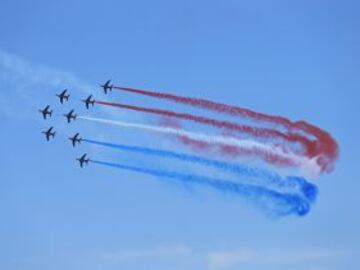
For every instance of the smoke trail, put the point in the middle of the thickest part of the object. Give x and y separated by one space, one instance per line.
256 132
308 165
228 150
308 190
276 203
31 85
213 106
325 143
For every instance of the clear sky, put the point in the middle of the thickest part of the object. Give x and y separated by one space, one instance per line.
298 59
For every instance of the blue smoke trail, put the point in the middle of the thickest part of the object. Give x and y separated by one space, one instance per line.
277 203
308 190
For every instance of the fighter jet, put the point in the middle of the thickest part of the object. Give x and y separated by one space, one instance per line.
107 86
88 101
46 111
48 133
62 96
75 139
83 160
70 115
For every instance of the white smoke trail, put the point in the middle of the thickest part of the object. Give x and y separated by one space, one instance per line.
306 164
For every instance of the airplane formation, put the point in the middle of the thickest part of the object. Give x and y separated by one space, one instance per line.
71 116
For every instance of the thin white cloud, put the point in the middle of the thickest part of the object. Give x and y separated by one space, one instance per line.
136 255
225 259
236 258
17 68
27 86
243 258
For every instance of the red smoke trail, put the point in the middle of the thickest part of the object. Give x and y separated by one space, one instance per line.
256 132
195 145
214 106
233 151
227 150
325 143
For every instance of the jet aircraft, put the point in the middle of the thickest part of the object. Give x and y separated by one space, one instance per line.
88 101
70 115
75 139
106 86
83 160
48 133
62 96
46 111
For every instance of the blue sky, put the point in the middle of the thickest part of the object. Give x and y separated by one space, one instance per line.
298 59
